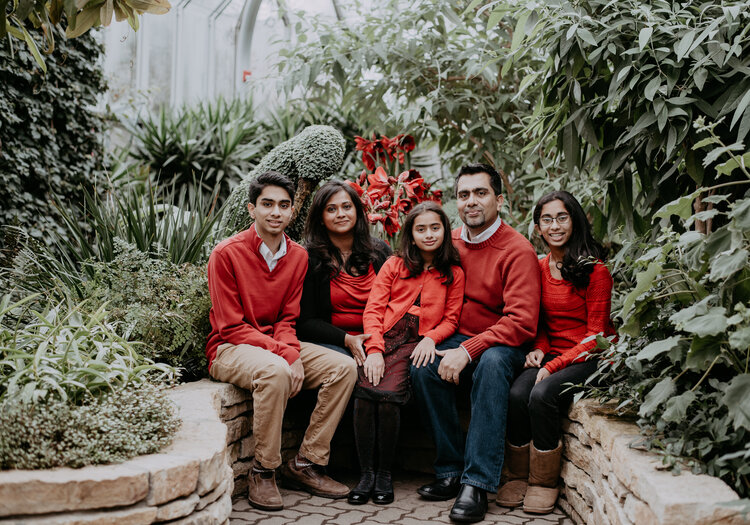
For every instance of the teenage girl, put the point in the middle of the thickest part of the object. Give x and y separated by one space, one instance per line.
414 304
576 303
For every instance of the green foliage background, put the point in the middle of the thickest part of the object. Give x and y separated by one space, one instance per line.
50 143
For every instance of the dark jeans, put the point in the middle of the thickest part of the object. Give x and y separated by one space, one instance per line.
480 460
534 410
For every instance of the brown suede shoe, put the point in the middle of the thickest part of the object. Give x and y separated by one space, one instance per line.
262 492
313 479
544 476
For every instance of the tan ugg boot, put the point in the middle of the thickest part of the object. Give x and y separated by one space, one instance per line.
515 476
544 475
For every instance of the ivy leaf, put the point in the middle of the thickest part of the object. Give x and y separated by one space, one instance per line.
741 214
726 168
740 340
727 264
703 350
657 347
644 281
658 395
713 322
737 400
682 207
676 408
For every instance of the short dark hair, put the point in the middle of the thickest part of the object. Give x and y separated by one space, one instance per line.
270 178
446 255
471 169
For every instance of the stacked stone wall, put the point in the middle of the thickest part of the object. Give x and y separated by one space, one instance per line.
606 481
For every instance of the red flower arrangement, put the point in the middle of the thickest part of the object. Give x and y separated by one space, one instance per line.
388 198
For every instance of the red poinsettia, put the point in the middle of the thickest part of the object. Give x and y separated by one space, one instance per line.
389 198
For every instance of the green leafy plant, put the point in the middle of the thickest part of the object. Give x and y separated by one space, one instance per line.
623 83
50 144
682 364
427 67
209 146
163 305
65 353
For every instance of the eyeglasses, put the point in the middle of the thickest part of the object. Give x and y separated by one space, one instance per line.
561 219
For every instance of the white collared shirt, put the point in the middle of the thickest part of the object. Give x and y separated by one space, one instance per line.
486 234
271 258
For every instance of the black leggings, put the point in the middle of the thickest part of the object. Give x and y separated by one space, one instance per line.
534 410
376 423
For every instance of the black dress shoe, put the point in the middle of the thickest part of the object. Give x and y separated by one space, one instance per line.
360 494
441 489
382 494
470 505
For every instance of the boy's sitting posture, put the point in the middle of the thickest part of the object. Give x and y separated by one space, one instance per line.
255 281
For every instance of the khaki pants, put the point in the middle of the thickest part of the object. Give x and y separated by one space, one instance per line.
268 377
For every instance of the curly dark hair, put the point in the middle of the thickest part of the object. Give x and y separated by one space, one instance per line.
445 257
323 253
582 251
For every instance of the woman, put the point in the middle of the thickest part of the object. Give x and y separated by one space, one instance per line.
415 304
343 261
576 303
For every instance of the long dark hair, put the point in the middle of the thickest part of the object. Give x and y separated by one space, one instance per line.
582 251
445 257
323 253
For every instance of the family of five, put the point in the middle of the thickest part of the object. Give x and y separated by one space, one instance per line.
474 306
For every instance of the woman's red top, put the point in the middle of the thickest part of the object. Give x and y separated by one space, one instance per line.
571 318
349 295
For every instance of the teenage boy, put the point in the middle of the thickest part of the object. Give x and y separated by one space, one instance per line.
499 316
255 281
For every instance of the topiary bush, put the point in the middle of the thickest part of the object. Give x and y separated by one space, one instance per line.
316 154
49 137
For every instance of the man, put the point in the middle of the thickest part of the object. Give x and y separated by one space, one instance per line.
500 314
255 281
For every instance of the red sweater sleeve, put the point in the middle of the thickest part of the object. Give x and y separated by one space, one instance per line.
229 314
453 303
598 322
520 317
373 318
541 341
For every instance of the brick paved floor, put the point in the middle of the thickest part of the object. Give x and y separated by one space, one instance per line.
408 509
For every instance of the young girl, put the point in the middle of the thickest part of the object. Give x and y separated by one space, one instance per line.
415 304
576 302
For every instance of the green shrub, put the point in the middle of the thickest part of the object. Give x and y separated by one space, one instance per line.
161 304
125 423
682 364
49 138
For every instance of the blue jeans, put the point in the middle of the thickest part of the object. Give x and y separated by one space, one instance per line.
480 461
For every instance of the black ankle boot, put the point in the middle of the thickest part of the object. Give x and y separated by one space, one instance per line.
382 494
360 494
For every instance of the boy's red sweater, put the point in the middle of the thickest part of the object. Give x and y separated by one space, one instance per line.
394 292
571 318
251 304
501 300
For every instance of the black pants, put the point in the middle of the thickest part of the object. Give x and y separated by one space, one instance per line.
534 409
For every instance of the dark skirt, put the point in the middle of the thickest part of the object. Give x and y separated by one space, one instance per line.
400 342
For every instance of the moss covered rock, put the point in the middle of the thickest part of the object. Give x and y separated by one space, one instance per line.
315 154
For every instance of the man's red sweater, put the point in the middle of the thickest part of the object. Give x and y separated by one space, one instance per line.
571 318
251 304
501 300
